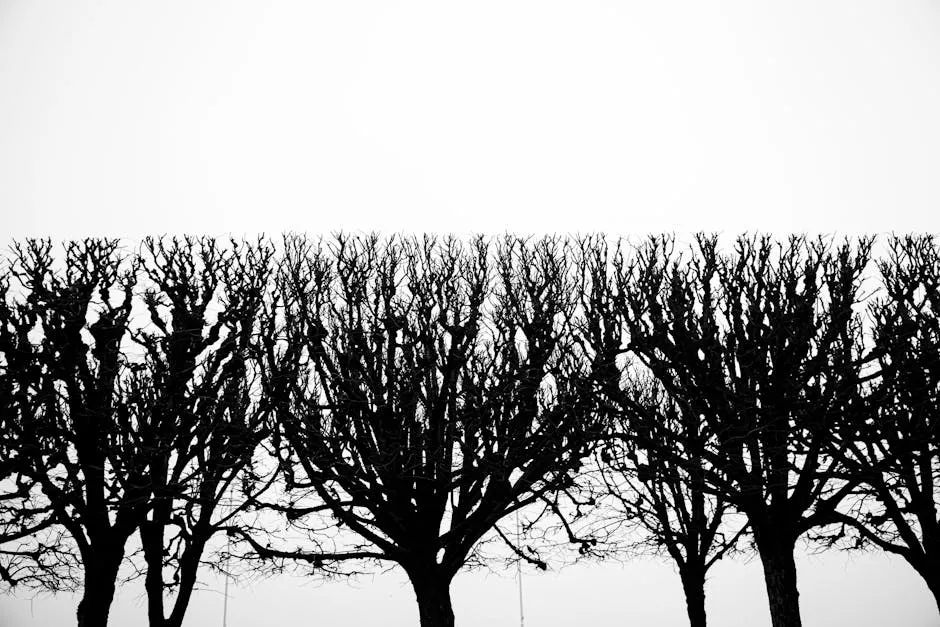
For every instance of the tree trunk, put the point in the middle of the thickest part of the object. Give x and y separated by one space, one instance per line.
100 582
151 536
432 589
693 583
932 578
189 567
776 554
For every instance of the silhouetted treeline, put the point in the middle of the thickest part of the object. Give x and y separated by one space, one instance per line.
321 402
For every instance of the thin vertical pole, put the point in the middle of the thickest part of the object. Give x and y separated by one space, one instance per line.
228 549
519 575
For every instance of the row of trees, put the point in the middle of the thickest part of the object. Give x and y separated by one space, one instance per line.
338 402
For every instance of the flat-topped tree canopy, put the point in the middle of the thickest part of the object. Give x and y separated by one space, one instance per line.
126 400
424 389
763 345
33 553
895 446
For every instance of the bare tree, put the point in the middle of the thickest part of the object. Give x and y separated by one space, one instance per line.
421 400
62 372
198 420
651 466
895 447
665 499
32 552
762 346
113 428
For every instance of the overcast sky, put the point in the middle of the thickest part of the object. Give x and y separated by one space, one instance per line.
128 118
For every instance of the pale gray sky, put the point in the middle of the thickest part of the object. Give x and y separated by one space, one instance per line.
124 117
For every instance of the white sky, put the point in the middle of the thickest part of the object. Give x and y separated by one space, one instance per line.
128 118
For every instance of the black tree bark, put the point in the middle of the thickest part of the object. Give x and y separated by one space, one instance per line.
432 589
189 566
100 578
931 576
151 536
776 554
693 584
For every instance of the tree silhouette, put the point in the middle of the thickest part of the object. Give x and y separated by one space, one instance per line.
421 400
762 347
62 371
112 428
32 551
198 419
358 399
895 448
664 498
651 465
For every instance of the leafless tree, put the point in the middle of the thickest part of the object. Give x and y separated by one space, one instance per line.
32 552
112 427
651 466
199 415
895 447
762 347
425 389
665 499
64 332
